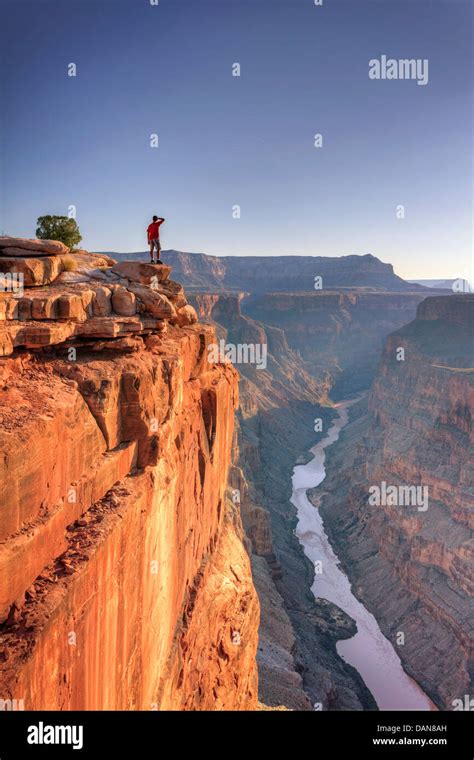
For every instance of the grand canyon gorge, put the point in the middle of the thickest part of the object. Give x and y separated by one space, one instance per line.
290 530
236 378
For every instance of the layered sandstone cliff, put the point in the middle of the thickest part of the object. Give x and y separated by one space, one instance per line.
338 335
124 582
411 561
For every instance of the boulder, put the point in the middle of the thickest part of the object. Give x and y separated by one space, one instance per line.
174 291
17 308
124 301
40 247
186 316
87 297
100 259
91 263
101 305
22 253
72 278
10 307
36 271
24 310
154 303
44 307
70 306
146 274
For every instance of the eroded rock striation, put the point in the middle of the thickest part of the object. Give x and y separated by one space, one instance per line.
124 581
338 334
411 557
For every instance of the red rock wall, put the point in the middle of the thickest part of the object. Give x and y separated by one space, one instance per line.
137 593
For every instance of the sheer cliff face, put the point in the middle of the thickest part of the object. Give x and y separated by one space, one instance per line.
411 561
124 582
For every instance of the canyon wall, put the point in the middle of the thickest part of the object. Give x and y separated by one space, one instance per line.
412 563
124 581
332 342
339 335
297 658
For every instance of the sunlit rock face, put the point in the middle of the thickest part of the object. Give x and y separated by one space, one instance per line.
124 581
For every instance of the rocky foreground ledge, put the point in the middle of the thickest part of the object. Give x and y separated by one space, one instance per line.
51 295
124 582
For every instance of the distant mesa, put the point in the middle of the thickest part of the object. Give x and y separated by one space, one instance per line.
266 274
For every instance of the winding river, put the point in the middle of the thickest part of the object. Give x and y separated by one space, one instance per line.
368 651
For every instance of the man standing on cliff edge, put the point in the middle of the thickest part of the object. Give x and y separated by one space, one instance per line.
153 232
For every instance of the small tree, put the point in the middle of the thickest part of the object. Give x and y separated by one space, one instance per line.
58 228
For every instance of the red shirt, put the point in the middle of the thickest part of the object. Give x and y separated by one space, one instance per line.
154 230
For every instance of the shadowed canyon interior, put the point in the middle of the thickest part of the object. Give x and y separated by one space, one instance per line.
149 551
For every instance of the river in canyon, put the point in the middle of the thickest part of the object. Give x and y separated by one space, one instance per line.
373 655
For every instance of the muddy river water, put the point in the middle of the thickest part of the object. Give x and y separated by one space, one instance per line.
368 651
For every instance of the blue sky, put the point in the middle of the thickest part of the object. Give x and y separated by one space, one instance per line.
167 69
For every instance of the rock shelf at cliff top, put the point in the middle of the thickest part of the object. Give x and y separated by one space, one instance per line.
81 295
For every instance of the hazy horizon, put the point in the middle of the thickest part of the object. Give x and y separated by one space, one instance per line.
144 251
142 70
